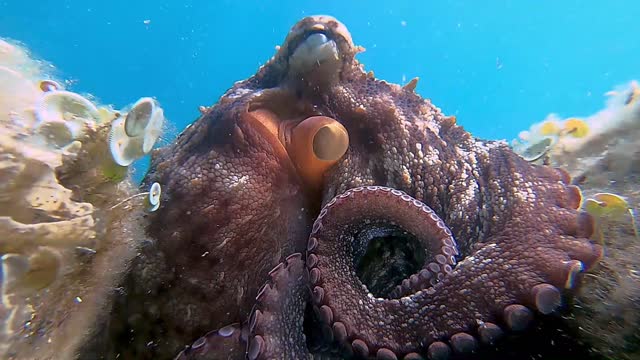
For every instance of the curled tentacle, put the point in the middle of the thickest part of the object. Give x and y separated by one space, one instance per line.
466 305
347 227
391 214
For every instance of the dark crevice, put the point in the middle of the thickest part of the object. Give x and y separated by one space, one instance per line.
384 256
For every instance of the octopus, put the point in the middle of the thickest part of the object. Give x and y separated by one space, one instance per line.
317 212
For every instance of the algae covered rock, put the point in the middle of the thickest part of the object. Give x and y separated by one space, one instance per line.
604 161
69 213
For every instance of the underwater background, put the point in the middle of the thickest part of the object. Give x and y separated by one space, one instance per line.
498 66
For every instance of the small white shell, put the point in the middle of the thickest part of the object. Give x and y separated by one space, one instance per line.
153 130
534 151
66 106
49 85
138 118
152 201
124 149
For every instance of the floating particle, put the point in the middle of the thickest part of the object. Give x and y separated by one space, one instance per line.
147 22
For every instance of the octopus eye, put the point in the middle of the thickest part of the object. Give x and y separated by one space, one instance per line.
317 143
330 142
316 50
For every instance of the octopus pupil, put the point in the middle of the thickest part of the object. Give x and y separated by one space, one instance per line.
384 256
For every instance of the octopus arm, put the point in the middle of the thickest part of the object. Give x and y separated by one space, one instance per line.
228 342
233 203
276 322
522 240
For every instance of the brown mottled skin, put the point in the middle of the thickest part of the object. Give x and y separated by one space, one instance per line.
234 207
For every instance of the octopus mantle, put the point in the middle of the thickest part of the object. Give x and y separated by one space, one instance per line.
317 210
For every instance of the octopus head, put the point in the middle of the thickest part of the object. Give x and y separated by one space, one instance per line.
316 50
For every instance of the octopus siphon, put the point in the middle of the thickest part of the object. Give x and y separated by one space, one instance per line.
316 211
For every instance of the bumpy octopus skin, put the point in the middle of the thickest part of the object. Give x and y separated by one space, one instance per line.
273 247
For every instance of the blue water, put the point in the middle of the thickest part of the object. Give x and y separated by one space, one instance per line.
497 65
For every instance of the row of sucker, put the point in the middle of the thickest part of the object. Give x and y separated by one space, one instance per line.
435 236
229 341
433 271
276 322
397 208
275 327
340 298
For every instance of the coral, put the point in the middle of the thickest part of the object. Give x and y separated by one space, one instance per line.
606 165
575 144
63 242
607 312
606 207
